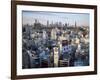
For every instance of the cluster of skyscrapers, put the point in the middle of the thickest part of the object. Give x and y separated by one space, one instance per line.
54 45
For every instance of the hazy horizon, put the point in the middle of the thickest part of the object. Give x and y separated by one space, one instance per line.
82 19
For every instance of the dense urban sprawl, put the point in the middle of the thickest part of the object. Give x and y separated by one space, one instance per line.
54 45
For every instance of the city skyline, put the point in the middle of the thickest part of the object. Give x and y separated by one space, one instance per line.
82 19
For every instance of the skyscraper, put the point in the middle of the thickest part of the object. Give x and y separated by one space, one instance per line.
56 56
53 34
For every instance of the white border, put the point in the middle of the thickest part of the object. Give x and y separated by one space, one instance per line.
21 71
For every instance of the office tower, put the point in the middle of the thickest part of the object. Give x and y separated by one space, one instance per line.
56 56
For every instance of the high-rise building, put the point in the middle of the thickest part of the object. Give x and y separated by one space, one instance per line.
56 56
44 35
47 23
60 46
76 28
75 24
53 34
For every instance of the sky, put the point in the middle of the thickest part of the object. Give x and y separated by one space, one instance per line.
82 19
